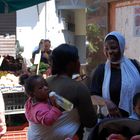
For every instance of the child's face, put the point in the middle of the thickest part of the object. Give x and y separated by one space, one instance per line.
41 90
137 108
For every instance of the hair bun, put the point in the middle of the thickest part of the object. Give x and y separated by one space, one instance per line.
23 78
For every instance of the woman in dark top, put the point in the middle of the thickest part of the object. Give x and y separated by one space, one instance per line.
118 79
65 63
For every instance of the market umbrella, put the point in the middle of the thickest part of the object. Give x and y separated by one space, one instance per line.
7 6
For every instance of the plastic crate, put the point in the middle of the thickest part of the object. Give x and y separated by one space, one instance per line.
14 102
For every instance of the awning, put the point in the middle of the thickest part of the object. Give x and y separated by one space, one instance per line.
7 6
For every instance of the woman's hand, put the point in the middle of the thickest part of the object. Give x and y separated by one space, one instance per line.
113 109
116 137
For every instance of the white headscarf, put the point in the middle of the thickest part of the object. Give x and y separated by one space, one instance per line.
130 83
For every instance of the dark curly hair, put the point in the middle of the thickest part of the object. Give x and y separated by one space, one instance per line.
28 81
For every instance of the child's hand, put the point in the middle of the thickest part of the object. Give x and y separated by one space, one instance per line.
53 101
137 137
116 137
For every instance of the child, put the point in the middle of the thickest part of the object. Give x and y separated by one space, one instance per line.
46 122
38 109
136 107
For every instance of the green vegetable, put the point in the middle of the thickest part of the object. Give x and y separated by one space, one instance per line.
43 67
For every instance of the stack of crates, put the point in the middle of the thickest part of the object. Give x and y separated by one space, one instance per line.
14 106
14 102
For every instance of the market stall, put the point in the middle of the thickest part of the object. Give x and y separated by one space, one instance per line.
13 94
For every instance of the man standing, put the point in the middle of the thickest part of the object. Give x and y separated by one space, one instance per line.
44 47
45 54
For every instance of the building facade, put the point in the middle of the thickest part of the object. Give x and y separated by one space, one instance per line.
61 21
124 16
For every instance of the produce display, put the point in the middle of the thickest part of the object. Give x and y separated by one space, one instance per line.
11 69
43 67
9 82
11 64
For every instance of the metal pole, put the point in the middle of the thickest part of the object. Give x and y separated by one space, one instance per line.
6 9
45 20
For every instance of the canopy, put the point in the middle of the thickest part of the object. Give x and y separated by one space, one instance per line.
13 5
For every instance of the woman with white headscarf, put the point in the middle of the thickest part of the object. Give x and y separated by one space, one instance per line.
118 80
